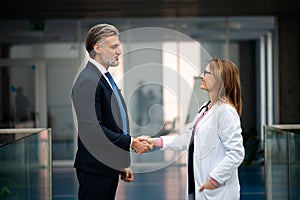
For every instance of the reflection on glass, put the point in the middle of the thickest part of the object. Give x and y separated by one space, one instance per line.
25 169
282 166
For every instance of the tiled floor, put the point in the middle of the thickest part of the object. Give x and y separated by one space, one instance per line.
164 184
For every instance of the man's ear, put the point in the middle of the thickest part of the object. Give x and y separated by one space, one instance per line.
97 48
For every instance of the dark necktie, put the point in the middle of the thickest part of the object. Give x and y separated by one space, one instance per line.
191 180
122 110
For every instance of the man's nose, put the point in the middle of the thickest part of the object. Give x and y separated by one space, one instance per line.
118 51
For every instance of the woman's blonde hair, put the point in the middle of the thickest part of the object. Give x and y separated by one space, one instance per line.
228 83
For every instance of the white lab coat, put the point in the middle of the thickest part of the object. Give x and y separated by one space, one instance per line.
218 151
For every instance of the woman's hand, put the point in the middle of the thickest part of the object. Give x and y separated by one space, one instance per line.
152 141
208 186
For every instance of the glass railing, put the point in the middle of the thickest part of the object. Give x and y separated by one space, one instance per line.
282 162
25 164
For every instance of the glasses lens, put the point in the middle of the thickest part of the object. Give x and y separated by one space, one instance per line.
206 72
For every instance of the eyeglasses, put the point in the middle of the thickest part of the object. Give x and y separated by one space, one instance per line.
206 72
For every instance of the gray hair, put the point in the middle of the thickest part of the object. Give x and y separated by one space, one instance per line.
96 34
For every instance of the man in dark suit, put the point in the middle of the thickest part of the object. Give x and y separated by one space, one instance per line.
103 130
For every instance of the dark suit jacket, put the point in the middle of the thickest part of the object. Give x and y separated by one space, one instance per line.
102 148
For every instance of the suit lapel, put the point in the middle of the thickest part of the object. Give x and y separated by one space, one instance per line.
111 93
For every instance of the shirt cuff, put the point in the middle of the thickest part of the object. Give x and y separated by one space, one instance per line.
214 182
159 142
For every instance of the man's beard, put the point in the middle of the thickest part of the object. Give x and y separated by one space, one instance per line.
111 62
114 63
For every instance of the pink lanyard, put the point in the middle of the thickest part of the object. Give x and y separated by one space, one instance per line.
195 125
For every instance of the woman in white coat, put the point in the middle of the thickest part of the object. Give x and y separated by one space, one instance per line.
213 139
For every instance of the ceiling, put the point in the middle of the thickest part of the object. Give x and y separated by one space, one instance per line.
38 21
37 9
213 29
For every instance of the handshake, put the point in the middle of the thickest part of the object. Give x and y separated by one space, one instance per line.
143 144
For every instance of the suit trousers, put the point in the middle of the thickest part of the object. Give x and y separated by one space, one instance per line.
96 187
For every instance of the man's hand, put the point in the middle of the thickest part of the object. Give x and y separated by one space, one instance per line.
152 141
140 146
127 175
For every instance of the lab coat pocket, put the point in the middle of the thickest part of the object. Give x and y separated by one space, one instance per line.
214 194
